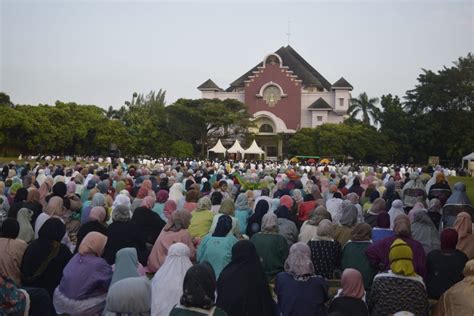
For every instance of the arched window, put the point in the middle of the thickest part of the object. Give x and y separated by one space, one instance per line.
265 128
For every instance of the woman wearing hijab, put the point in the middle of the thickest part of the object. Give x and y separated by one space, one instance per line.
356 187
424 231
441 189
350 298
191 200
201 219
348 220
167 283
374 194
254 223
176 230
45 258
96 223
15 301
148 222
463 226
123 233
454 301
126 265
286 227
33 203
353 253
227 208
326 252
299 290
445 266
198 297
97 200
216 248
378 252
86 279
458 202
354 199
309 229
161 198
390 194
434 212
19 201
377 207
382 229
242 287
242 211
27 233
176 192
130 296
400 288
395 210
271 247
11 249
306 207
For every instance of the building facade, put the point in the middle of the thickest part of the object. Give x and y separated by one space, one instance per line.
285 93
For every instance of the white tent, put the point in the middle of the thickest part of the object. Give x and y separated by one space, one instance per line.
218 148
254 149
467 158
236 148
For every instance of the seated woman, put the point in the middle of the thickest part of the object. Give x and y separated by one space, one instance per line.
191 200
395 210
176 230
242 211
306 207
463 225
201 219
123 233
350 299
217 248
254 223
309 229
96 223
377 207
382 229
425 231
271 247
11 249
27 234
126 265
348 220
299 290
243 280
227 208
198 297
129 296
167 283
325 251
353 253
148 222
161 198
444 267
14 301
454 301
399 289
86 279
45 258
286 227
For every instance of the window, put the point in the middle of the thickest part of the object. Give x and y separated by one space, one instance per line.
265 128
272 95
320 89
319 118
341 101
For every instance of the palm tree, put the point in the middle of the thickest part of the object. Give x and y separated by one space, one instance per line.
365 106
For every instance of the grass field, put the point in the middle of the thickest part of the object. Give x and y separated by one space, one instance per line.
468 181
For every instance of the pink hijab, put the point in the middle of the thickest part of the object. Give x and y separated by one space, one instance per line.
148 202
98 214
352 284
287 201
169 208
93 244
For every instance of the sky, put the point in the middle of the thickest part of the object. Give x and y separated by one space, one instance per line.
100 52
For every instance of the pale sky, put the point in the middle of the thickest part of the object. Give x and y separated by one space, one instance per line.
100 52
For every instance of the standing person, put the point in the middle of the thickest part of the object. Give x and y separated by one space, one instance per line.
198 297
242 287
445 266
325 251
167 283
350 299
399 289
271 247
299 290
463 226
11 250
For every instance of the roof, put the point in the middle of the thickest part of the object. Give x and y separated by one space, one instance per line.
320 104
218 148
209 85
469 157
342 83
296 63
236 148
254 149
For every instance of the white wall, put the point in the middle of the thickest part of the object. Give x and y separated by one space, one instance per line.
307 98
346 95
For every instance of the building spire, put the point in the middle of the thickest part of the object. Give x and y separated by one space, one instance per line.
289 34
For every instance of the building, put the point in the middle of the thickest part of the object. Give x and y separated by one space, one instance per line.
285 93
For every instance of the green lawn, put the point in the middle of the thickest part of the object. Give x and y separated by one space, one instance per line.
468 181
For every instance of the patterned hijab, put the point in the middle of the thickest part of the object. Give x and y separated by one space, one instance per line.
299 261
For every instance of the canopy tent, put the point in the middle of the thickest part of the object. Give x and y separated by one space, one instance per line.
468 157
236 148
218 148
470 162
254 149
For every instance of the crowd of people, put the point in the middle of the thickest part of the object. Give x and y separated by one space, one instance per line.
233 238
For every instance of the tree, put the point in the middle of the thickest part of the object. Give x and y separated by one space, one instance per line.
5 99
181 149
365 106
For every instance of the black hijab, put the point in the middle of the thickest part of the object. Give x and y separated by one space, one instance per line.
216 198
199 286
10 228
223 227
5 171
242 288
21 195
283 212
149 224
254 223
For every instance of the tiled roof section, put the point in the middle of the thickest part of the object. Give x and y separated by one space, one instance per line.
209 85
342 83
320 104
296 63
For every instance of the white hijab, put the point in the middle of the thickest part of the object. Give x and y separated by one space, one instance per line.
176 192
167 284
